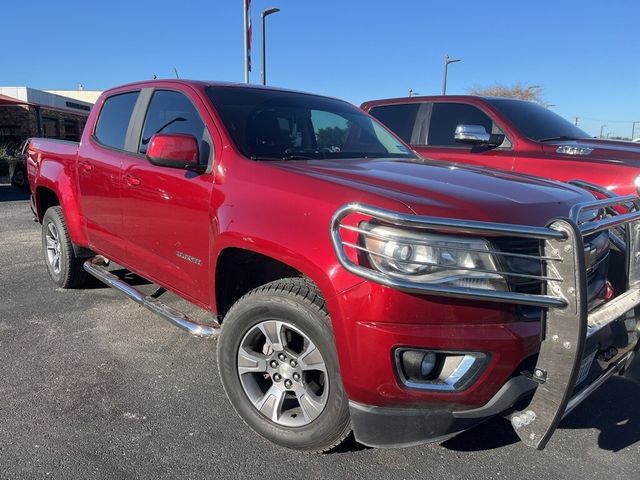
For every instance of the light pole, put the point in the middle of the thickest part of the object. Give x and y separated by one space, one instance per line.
602 127
263 15
246 13
447 61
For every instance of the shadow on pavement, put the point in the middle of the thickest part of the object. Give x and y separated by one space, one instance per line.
612 410
129 277
9 193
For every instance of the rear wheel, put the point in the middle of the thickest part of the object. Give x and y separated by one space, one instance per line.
65 269
279 367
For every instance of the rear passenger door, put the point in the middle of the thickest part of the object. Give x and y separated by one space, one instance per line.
100 162
432 132
166 210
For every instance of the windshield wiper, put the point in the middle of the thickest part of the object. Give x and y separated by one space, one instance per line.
559 137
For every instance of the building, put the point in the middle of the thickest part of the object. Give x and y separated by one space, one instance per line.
89 96
26 112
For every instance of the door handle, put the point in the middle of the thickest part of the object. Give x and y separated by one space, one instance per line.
132 180
86 167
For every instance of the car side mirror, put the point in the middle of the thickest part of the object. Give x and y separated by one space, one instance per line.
477 135
174 150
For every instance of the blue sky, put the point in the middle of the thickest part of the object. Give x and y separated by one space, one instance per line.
585 54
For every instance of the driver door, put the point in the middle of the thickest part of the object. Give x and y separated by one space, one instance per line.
166 210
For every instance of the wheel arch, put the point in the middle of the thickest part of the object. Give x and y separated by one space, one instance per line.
239 270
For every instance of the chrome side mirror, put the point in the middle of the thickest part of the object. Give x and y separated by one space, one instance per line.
472 134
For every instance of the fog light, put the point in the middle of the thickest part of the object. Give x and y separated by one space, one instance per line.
439 370
418 365
428 364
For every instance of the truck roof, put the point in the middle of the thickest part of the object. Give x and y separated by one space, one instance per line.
201 84
434 98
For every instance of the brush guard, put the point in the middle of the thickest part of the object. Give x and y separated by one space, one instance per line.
567 323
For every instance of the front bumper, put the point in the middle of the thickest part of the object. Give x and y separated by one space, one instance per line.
393 427
568 333
386 427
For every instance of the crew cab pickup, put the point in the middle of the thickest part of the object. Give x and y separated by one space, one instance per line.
512 135
353 285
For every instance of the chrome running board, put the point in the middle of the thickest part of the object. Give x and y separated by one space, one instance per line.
179 319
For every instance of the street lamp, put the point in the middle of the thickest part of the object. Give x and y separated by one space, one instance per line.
265 13
447 61
602 127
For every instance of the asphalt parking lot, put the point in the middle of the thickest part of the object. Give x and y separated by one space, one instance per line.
94 386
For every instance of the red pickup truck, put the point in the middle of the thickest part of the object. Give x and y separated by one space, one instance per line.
354 286
509 134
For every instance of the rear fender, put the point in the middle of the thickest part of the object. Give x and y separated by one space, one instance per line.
59 178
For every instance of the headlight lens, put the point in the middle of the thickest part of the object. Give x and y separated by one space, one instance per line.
432 258
637 183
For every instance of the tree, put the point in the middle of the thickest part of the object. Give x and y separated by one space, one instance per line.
331 137
532 93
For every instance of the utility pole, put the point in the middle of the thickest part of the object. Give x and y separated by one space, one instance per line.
246 6
447 61
602 127
576 121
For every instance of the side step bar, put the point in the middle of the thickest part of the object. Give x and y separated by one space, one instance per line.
175 317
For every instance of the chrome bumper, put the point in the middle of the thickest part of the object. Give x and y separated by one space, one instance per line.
567 324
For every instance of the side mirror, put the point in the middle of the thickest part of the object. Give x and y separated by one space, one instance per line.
175 150
477 135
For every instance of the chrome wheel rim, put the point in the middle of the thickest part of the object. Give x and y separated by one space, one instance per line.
52 244
283 374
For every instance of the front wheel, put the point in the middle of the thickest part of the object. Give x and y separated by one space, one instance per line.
65 269
279 367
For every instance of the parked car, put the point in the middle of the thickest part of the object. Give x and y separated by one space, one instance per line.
354 285
509 134
19 176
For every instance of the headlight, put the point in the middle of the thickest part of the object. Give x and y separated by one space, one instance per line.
432 258
636 182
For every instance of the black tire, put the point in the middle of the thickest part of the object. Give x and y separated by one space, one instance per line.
298 306
64 268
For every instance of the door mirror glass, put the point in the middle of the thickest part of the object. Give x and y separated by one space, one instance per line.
477 135
175 150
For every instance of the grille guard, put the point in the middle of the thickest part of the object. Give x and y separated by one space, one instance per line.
567 323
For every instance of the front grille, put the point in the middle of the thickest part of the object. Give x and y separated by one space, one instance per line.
596 262
522 246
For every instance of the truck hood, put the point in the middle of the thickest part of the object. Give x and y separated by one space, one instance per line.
436 188
607 151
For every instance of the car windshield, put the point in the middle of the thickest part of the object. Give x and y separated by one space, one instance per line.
268 124
535 121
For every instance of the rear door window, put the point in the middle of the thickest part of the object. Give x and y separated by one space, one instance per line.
398 118
113 122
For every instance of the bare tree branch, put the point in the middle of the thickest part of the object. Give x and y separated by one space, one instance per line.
532 93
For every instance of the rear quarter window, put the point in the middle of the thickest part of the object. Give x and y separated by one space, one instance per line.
398 118
113 122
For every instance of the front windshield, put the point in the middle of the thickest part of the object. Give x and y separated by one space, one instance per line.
270 124
535 121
